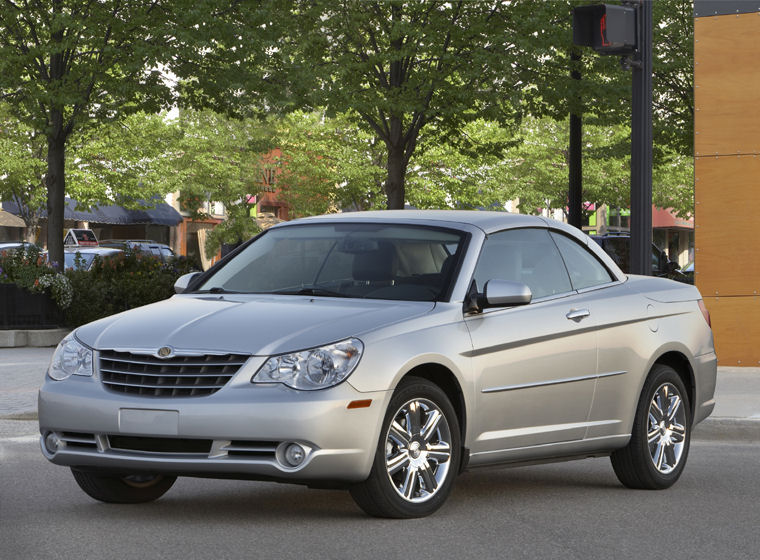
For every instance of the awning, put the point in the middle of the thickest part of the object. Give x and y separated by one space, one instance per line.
662 218
161 213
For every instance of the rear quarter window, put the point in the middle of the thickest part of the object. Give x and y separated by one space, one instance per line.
585 269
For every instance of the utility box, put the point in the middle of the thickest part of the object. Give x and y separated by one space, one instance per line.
607 28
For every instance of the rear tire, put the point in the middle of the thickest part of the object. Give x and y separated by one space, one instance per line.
417 457
131 489
656 454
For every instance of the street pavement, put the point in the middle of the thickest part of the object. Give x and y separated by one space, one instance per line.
22 371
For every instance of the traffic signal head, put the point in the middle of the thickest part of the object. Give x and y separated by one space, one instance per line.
606 28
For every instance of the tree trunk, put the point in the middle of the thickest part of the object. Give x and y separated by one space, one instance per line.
394 184
31 231
56 189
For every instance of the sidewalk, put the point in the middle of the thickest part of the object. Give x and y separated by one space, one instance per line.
22 371
737 406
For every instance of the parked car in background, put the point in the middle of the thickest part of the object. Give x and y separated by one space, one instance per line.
81 258
385 353
618 246
160 250
11 246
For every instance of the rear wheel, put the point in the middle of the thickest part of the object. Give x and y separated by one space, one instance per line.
130 489
656 454
417 457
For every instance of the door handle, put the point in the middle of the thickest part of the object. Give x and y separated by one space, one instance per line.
578 314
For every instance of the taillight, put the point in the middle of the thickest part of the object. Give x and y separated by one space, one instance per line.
705 312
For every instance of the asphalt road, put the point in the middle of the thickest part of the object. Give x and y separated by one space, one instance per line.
565 511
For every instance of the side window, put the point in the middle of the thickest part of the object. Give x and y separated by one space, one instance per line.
584 268
523 255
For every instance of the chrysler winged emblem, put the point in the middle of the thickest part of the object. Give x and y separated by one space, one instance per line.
165 352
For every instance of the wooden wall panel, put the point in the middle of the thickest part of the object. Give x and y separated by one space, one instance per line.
727 84
736 327
727 234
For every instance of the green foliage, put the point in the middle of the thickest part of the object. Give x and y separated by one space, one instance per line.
538 169
28 269
471 173
238 226
394 68
217 158
22 166
123 161
114 284
327 164
603 94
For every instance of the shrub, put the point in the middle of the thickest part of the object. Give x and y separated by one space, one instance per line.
121 282
28 269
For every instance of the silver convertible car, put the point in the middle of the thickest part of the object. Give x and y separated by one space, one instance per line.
385 353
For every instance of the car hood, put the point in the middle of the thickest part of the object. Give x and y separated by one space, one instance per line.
245 324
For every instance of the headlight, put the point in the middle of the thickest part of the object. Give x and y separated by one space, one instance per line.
70 358
317 368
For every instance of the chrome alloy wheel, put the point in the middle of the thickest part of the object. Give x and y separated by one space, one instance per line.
666 434
418 450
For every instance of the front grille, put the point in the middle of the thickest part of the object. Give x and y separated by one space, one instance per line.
77 440
251 449
160 445
178 376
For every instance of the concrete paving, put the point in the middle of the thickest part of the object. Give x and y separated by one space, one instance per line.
22 372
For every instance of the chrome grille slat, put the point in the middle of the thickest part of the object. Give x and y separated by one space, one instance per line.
178 376
165 386
167 374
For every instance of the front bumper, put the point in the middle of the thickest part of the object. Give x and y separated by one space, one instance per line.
241 431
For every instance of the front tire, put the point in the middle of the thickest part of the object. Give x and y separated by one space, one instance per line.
417 457
130 489
656 454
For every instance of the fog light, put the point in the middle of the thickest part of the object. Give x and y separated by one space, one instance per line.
52 442
295 454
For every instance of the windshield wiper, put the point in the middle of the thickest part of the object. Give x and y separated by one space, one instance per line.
214 290
312 291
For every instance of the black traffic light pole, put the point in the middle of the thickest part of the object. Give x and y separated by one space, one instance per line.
627 30
575 160
641 146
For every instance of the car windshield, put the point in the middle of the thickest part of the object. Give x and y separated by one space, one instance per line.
377 261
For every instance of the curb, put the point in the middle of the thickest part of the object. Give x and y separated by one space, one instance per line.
36 338
728 429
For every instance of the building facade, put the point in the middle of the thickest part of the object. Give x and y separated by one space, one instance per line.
727 173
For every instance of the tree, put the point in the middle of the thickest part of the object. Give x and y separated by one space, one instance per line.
219 159
67 64
538 169
120 162
406 66
397 68
123 162
22 169
327 164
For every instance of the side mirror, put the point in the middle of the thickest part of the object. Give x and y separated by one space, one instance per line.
184 281
505 293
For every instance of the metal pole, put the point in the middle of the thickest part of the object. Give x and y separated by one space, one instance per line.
575 162
641 147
